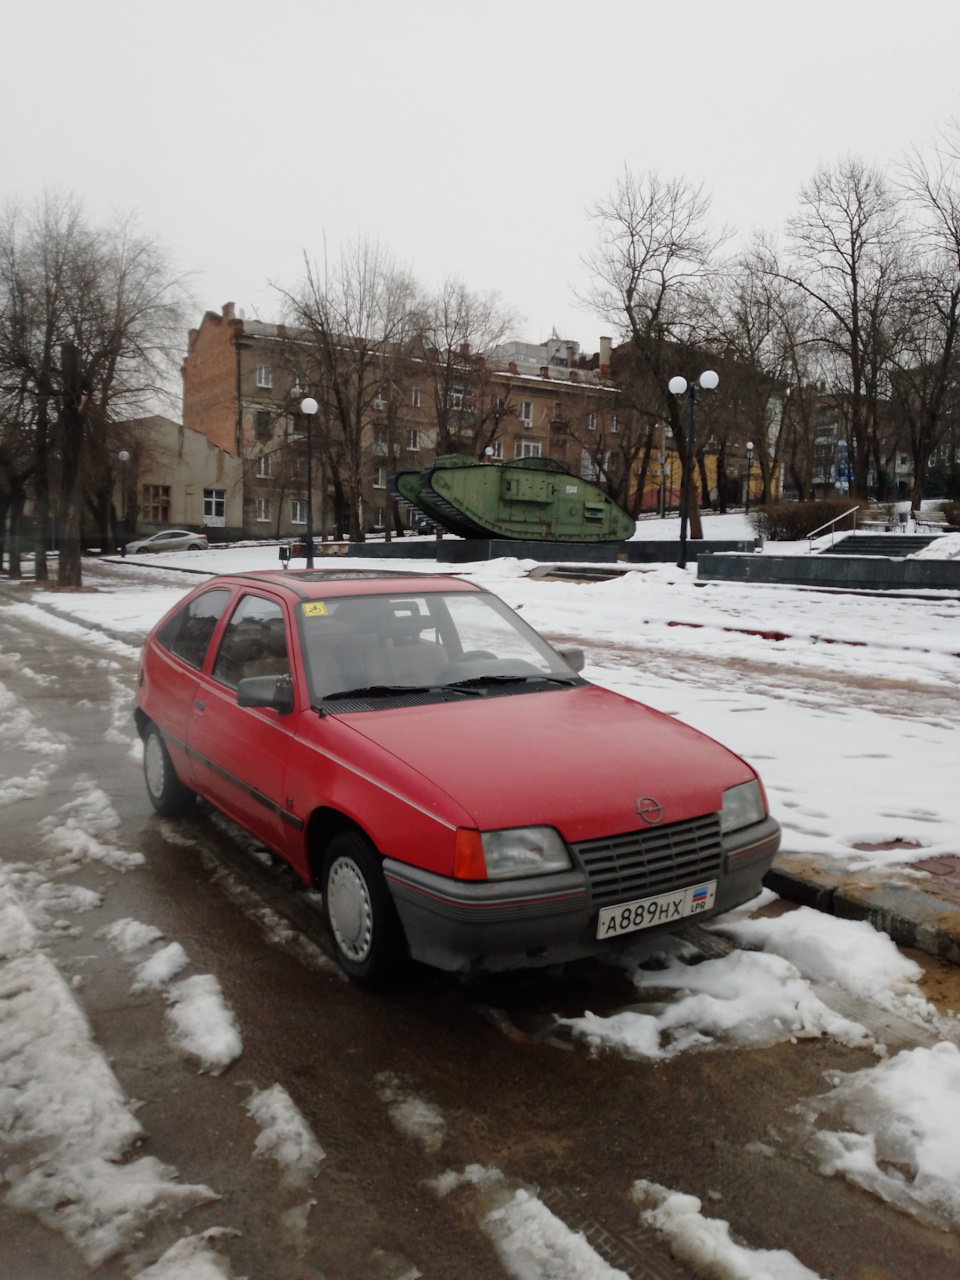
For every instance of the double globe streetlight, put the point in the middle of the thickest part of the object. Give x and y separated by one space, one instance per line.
308 407
678 386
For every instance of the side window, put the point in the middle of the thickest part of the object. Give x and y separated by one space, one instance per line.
188 632
254 643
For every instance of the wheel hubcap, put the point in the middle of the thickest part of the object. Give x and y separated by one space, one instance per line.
153 767
350 909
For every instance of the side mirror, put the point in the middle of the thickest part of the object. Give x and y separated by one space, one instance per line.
275 692
573 657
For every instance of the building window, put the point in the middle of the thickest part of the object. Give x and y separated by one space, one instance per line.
415 397
528 449
379 518
262 424
298 512
155 507
264 376
263 466
591 422
455 397
380 399
526 413
215 507
380 479
263 509
413 440
497 449
614 425
298 383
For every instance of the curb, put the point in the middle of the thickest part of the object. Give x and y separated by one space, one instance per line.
910 917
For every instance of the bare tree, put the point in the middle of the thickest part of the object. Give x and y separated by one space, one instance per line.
459 330
655 253
849 259
351 315
91 323
925 381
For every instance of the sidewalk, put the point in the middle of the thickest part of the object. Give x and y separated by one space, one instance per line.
924 914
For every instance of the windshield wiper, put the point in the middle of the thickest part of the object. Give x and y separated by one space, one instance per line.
391 691
487 680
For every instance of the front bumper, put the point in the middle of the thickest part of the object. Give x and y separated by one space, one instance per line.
491 925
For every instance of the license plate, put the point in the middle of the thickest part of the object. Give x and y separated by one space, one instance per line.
644 913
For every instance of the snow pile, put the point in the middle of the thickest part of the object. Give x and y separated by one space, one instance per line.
903 1136
744 998
156 972
852 954
203 1024
19 729
63 1118
191 1259
704 1244
285 1135
531 1241
81 829
129 936
415 1118
945 547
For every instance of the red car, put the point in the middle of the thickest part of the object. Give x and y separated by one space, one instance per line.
453 786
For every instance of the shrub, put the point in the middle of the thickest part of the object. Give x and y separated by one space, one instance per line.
792 521
951 512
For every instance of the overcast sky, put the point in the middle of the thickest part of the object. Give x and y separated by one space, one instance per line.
470 139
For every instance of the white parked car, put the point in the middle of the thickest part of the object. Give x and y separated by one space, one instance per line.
169 540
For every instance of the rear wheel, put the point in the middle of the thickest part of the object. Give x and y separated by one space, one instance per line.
167 793
364 926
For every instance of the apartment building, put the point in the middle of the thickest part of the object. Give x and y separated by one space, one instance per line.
243 382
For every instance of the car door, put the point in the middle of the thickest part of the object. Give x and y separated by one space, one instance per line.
173 671
240 754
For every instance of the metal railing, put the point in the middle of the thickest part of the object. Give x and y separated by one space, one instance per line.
830 525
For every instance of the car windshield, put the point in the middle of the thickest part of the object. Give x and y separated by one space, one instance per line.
380 645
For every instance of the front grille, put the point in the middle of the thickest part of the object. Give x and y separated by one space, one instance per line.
639 864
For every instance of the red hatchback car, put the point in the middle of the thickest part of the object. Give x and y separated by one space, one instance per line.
453 786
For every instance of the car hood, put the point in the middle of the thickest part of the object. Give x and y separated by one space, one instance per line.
576 759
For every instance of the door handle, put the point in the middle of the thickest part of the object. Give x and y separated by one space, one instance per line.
198 703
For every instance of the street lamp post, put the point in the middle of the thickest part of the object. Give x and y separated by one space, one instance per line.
678 387
308 407
749 465
124 457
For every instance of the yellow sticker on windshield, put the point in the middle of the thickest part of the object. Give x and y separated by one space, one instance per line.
314 608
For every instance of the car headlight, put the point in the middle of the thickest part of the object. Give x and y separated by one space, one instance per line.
523 851
742 806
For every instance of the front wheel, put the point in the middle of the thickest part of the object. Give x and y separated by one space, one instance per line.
167 793
364 926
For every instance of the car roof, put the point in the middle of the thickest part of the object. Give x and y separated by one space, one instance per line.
312 584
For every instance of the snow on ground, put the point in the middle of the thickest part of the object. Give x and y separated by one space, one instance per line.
744 999
704 1244
192 1259
203 1023
66 1125
773 994
414 1117
80 830
285 1135
531 1241
902 1130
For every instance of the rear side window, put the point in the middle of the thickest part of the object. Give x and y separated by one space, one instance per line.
187 634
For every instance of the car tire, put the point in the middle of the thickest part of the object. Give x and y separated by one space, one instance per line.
367 936
194 546
167 793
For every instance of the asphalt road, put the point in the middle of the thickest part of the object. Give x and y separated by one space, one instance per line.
516 1092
